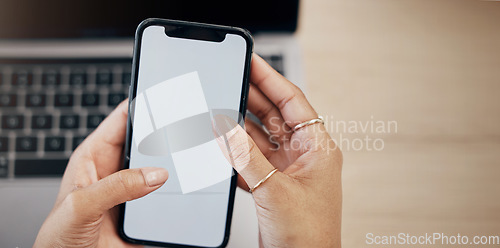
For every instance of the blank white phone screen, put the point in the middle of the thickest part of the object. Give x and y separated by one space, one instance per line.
182 84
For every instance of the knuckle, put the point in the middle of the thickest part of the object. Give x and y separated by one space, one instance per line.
285 100
297 90
75 201
240 150
125 185
126 180
263 113
81 207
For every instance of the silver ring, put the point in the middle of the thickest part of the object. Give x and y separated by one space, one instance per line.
310 122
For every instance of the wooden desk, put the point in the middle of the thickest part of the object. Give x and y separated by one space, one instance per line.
434 68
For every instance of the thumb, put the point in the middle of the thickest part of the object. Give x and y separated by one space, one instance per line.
241 151
117 188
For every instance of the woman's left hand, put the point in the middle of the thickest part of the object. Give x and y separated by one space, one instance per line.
84 214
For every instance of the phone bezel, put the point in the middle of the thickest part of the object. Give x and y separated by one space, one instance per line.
132 93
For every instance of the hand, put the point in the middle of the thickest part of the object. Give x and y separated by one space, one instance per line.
84 213
301 204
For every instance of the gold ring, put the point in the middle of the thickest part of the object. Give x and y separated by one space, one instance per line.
262 180
310 122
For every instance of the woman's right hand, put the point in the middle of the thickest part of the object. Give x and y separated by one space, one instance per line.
301 204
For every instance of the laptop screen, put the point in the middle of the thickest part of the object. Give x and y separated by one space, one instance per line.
48 19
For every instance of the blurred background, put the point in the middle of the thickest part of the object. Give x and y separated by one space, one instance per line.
434 68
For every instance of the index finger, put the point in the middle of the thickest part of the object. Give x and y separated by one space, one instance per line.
99 155
105 144
289 99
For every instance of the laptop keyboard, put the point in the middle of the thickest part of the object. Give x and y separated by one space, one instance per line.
48 107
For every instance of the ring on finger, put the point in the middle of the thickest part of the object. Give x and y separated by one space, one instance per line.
262 180
309 122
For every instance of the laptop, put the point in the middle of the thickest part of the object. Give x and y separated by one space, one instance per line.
64 66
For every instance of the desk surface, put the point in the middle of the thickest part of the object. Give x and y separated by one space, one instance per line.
433 68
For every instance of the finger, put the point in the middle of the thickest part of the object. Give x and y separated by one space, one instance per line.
268 113
261 138
241 151
105 144
117 188
242 184
287 97
112 129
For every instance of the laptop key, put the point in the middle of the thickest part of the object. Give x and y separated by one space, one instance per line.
12 121
4 166
94 120
126 78
63 100
22 78
51 78
115 98
39 167
8 100
69 122
77 140
54 144
104 77
90 100
26 144
35 100
78 78
4 144
277 63
275 57
41 122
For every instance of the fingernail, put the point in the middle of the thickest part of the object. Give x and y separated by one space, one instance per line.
154 176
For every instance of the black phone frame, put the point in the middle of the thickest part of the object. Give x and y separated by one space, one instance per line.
132 94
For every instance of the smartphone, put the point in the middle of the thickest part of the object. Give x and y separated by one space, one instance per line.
183 75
